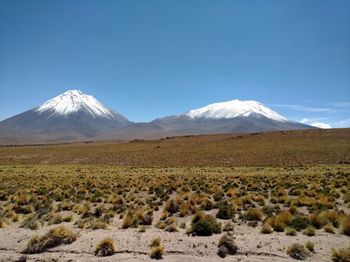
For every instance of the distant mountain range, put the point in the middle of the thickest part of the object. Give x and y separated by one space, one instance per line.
74 116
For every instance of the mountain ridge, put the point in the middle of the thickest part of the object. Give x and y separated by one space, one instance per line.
75 116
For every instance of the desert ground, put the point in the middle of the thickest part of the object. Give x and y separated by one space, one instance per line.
177 200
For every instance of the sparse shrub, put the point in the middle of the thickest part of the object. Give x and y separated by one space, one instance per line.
310 246
142 229
228 227
105 248
309 231
346 226
279 225
160 225
329 229
171 207
145 218
155 242
227 246
23 209
268 210
129 220
55 237
316 220
171 228
266 229
157 252
299 222
57 218
298 252
30 222
157 249
15 218
285 217
330 217
91 223
341 255
293 210
253 214
291 231
218 195
206 204
225 211
183 225
205 225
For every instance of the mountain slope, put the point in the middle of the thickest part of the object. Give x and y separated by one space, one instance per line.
234 116
74 116
69 116
228 117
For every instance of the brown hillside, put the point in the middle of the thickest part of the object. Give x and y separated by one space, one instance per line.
288 148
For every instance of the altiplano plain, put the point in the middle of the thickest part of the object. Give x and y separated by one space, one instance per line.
192 204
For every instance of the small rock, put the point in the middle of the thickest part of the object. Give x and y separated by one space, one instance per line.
223 251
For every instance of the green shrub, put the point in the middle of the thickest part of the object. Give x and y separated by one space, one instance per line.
291 231
205 225
225 212
299 223
253 214
268 210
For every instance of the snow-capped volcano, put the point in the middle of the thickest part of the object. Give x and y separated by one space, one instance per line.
235 116
72 115
235 108
73 101
75 116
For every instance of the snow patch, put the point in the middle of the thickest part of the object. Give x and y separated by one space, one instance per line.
74 101
235 108
321 125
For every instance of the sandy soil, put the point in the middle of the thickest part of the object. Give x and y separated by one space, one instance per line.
134 246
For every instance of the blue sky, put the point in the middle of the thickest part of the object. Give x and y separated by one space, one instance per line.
147 59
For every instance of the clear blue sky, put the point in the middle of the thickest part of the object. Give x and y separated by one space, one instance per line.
147 59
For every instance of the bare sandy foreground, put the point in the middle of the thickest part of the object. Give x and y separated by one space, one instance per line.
132 245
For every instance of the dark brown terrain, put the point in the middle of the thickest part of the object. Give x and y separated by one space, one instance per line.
284 148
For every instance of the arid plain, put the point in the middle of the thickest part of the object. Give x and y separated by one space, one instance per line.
274 196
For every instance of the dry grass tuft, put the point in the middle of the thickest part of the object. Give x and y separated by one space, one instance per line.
346 226
157 249
55 237
298 252
105 248
341 255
